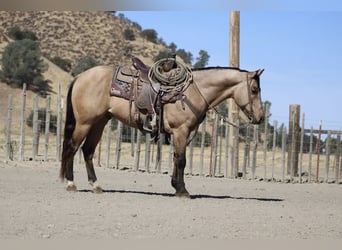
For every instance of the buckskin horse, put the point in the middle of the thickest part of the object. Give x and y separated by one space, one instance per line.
90 107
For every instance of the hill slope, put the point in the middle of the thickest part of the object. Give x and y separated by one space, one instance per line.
70 35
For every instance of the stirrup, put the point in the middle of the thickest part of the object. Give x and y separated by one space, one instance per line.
151 127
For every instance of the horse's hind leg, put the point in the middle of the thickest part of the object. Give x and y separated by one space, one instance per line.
88 149
70 147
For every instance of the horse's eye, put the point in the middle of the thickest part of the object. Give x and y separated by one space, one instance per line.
255 90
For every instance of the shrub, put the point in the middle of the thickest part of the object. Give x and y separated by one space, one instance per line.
42 118
17 34
85 63
129 34
64 64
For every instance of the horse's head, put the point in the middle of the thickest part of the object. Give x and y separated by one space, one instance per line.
248 97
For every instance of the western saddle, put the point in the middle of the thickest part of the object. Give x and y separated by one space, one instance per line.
149 88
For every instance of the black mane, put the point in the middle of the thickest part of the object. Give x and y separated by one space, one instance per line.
218 68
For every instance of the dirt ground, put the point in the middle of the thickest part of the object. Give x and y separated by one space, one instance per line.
35 205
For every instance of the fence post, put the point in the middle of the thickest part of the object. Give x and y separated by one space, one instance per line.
275 125
202 145
213 146
35 127
246 153
293 142
318 150
108 140
236 150
267 109
301 149
337 157
283 152
59 124
9 145
327 156
137 151
118 145
147 152
47 126
22 125
310 154
255 147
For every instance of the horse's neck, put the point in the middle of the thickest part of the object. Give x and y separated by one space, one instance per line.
216 85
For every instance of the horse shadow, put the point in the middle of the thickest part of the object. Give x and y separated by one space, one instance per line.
193 196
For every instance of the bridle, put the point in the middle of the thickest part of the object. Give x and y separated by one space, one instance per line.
249 113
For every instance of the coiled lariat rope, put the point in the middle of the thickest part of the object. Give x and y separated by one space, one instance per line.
172 80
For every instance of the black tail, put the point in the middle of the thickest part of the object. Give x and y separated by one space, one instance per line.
68 130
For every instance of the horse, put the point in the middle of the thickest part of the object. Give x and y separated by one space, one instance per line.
89 108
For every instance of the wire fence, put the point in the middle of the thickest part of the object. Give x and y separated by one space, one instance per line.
263 152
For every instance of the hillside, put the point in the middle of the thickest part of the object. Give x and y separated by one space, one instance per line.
70 35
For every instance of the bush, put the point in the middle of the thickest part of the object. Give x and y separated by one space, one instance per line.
42 118
150 35
197 140
129 34
22 63
17 34
85 63
64 64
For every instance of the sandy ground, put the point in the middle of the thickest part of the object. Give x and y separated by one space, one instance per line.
35 205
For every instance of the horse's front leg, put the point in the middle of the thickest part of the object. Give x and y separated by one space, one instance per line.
177 180
179 161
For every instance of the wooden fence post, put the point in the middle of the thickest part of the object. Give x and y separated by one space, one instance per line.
22 124
283 150
246 153
59 124
337 157
301 149
202 146
9 146
118 145
35 127
47 126
255 147
267 111
275 125
327 156
137 151
147 152
310 153
108 140
293 142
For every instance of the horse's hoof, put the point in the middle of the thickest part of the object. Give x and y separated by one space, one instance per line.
182 195
97 190
71 188
96 187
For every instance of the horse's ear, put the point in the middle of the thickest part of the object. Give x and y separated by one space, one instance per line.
259 72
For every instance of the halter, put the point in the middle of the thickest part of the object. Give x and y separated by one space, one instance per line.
249 113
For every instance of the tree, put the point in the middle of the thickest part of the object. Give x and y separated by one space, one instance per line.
186 56
173 47
202 60
22 63
129 34
150 35
64 64
85 63
17 34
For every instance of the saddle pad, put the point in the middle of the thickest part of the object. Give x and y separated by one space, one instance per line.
122 81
